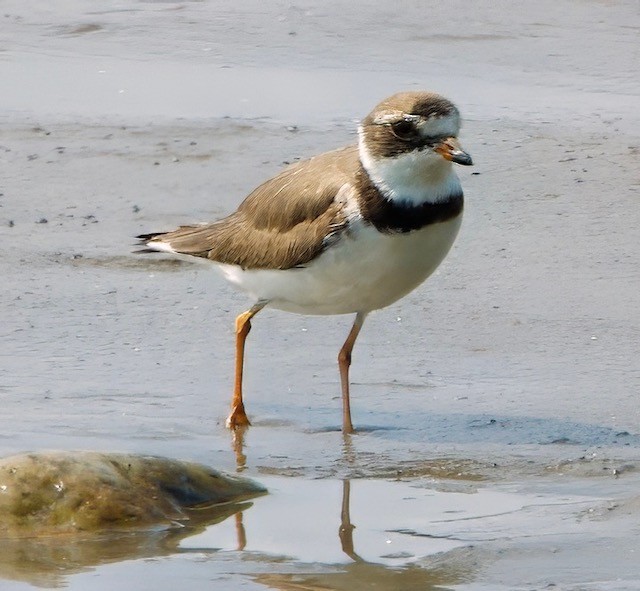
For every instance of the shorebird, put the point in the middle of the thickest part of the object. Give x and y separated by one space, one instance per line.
345 232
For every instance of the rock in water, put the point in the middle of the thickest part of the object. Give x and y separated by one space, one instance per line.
70 492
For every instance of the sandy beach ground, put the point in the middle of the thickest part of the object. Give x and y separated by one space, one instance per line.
497 405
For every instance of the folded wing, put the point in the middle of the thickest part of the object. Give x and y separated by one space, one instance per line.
284 223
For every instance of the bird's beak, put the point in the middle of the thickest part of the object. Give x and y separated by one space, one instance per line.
450 149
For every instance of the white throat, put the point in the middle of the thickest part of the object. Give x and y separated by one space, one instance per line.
415 177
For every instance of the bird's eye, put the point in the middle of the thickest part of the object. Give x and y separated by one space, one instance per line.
403 129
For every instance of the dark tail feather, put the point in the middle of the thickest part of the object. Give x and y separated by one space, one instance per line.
142 241
146 237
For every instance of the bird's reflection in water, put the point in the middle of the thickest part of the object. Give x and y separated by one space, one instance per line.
345 532
237 444
449 568
241 534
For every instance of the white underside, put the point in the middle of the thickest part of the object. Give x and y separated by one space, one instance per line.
364 271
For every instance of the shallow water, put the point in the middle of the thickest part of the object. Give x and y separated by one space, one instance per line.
497 408
331 534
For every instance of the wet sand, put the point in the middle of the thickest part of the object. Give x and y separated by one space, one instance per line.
499 427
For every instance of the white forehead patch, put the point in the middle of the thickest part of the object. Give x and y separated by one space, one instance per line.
390 116
446 126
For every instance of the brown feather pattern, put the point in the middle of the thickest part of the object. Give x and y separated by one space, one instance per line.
284 223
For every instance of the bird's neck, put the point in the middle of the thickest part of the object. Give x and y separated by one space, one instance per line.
413 178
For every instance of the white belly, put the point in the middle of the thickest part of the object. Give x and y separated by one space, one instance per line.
364 271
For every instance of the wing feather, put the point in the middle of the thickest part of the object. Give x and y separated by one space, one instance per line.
284 223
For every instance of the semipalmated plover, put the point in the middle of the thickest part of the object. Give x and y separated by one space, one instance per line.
348 231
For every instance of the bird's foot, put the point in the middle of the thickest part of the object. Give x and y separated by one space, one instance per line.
348 429
238 418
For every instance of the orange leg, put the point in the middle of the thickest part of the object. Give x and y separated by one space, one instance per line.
344 361
238 417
